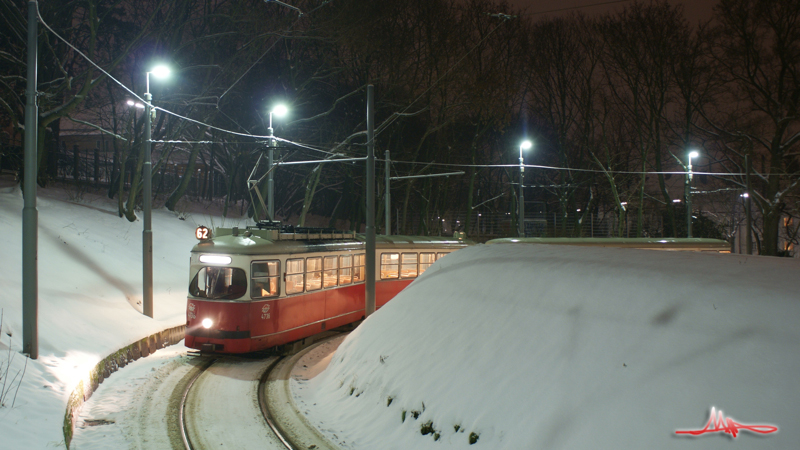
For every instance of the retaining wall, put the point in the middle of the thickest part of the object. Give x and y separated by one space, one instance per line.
111 364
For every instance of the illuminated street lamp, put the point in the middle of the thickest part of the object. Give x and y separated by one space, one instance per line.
748 224
279 111
688 194
525 145
147 193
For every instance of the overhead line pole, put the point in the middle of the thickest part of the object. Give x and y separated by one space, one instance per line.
748 208
387 195
370 231
30 215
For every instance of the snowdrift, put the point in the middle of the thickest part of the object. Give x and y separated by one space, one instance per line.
540 346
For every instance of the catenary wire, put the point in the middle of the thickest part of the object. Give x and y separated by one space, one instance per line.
384 126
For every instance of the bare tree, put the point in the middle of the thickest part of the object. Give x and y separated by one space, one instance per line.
756 48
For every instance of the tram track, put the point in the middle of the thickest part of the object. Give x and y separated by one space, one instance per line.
241 402
263 404
182 406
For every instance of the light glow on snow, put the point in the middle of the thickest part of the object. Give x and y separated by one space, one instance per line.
72 368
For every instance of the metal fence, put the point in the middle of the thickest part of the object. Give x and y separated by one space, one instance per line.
483 226
95 167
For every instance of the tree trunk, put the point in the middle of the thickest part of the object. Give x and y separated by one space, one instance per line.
179 191
311 189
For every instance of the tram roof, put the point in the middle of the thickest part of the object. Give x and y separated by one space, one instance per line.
254 243
641 243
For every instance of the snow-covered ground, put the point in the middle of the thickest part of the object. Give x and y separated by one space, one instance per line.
518 346
551 347
90 292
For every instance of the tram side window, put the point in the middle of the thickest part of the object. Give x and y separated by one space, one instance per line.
389 265
295 274
441 255
408 265
358 267
330 275
264 282
345 269
313 274
219 283
426 260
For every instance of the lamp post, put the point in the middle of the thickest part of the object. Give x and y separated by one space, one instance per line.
526 144
688 194
147 193
748 242
279 111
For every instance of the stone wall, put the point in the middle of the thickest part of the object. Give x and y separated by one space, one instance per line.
111 364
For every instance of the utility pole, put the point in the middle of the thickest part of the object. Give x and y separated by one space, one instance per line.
747 207
370 231
30 215
388 195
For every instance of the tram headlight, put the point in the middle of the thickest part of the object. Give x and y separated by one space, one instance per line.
207 323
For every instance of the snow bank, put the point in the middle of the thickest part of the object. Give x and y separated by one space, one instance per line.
536 346
90 292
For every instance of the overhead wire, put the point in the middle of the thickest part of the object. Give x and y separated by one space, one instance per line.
383 126
571 8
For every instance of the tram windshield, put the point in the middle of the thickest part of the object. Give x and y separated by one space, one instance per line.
219 283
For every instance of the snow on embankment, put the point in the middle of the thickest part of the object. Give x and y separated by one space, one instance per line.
537 346
89 296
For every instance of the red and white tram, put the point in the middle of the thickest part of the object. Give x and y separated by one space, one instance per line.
255 289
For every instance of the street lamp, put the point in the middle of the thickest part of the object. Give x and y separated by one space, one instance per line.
147 193
279 111
688 194
525 145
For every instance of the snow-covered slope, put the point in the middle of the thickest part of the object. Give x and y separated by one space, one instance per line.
525 346
551 347
90 291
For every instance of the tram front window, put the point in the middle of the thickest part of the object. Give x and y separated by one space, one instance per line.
219 283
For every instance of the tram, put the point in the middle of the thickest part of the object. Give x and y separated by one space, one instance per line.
264 286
